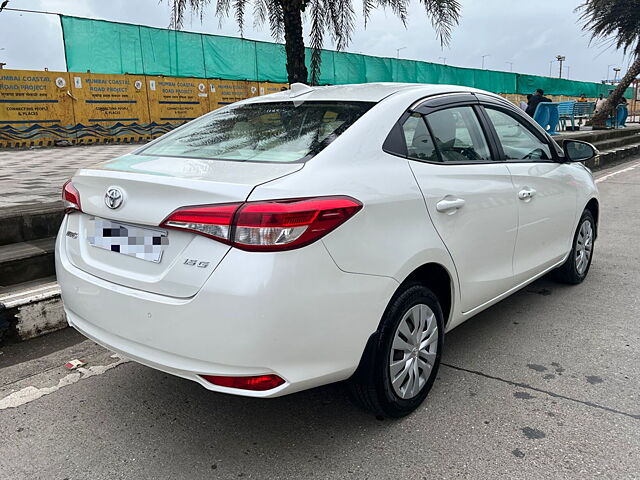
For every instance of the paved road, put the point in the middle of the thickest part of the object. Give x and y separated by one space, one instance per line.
544 385
37 175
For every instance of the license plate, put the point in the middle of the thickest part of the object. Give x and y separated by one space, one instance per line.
131 240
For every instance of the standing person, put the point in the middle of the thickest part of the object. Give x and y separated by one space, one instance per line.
523 104
535 99
600 102
621 118
583 98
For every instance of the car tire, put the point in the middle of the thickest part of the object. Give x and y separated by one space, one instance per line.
575 269
397 350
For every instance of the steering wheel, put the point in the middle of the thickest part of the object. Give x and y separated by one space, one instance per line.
536 154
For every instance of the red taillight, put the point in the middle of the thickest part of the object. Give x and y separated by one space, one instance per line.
213 221
257 384
267 226
71 198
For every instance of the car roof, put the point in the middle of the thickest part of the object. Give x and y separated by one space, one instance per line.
363 92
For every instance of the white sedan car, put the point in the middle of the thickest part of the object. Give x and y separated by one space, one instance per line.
322 234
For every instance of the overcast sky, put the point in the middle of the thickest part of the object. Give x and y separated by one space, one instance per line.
529 33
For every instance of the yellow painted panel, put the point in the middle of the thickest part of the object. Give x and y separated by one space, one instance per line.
225 92
110 107
253 89
267 88
174 101
35 108
40 108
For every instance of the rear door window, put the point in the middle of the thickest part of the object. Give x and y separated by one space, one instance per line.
262 132
420 145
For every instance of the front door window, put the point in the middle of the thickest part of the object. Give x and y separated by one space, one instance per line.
458 135
518 142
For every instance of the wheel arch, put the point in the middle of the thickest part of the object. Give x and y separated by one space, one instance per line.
594 207
440 281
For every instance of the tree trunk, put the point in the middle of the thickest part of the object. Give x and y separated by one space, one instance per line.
294 41
599 120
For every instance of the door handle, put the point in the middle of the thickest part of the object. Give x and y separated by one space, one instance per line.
450 204
526 194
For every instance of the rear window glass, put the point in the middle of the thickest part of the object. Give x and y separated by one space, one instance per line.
262 132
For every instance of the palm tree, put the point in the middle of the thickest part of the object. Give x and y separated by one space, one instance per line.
618 23
334 18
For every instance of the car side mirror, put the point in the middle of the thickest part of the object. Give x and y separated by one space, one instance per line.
578 151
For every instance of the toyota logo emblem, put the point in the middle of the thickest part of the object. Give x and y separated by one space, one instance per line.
113 198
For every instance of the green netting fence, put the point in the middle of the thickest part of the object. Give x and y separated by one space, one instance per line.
109 47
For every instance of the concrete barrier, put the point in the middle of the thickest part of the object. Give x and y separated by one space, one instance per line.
31 312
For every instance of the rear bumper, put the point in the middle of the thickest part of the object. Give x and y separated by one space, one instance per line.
292 313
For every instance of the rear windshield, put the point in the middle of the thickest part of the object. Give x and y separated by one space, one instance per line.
262 132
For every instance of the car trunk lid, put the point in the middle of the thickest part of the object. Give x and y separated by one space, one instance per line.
151 189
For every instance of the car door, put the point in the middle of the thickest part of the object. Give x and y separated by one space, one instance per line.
545 188
469 196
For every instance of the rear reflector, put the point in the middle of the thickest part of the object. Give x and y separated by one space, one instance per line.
272 225
257 384
71 198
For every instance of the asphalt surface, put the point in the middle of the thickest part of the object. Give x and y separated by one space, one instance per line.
545 384
36 175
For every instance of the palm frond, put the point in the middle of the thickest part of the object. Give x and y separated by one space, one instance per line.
340 21
367 7
222 10
276 20
260 12
398 7
615 21
180 7
238 8
444 15
318 14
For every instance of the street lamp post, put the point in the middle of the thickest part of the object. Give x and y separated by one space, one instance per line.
615 76
483 57
510 66
568 71
550 66
560 58
398 51
444 60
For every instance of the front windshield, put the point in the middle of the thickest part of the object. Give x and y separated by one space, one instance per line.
262 132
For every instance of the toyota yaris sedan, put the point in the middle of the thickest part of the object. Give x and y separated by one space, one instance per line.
322 234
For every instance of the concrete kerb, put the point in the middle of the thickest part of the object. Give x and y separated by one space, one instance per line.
31 312
30 222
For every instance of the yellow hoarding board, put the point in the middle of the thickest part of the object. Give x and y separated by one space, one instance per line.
41 108
35 108
224 92
110 107
267 88
174 101
253 89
